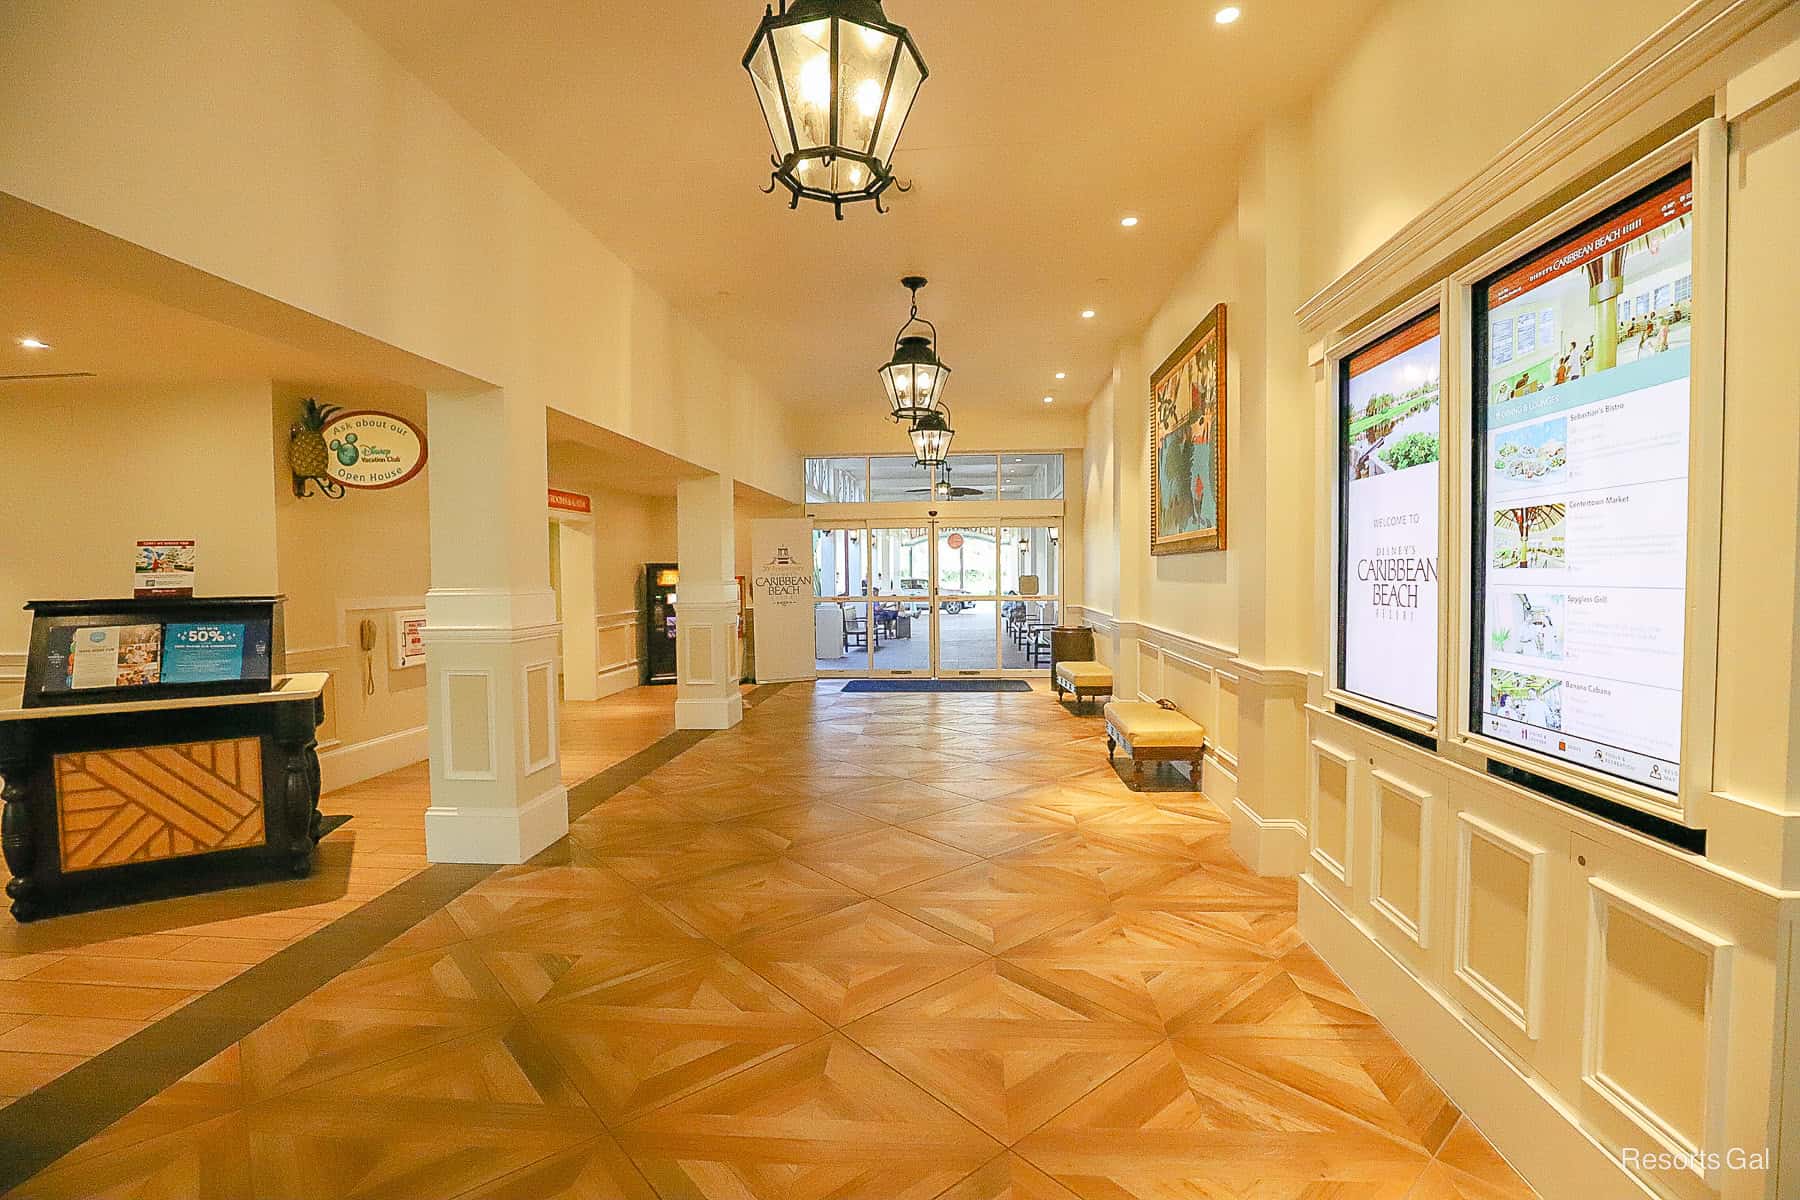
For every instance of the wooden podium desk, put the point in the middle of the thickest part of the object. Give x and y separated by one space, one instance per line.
136 799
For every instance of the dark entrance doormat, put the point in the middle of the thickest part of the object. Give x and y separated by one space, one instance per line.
938 685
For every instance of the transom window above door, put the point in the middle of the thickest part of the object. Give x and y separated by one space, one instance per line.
886 478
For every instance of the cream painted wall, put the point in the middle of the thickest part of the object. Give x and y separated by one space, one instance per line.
1192 594
127 461
862 426
631 529
1380 154
1331 184
209 461
341 562
392 216
1690 1022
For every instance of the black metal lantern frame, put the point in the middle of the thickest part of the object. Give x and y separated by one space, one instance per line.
836 80
931 435
915 377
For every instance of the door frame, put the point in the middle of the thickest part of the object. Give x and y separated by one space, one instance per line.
927 615
933 600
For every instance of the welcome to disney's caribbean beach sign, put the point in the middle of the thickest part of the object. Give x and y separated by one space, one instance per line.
372 449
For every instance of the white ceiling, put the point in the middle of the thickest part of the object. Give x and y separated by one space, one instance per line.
1040 126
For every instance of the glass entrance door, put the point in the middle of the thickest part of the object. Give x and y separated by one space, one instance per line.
900 566
931 598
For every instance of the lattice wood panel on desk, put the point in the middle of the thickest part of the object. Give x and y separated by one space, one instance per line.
157 802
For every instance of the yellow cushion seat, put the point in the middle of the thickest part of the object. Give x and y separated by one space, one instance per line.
1084 675
1142 725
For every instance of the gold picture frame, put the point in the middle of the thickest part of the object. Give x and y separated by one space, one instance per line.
1187 443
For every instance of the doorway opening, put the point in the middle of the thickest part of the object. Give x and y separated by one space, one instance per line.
935 598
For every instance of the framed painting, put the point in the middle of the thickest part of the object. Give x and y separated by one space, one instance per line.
1187 443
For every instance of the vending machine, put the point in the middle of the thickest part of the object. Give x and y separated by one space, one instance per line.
660 583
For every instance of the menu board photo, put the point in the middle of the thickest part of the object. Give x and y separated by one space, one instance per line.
89 657
1581 485
1388 531
84 657
197 652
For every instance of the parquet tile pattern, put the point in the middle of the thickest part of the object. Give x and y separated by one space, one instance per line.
859 948
76 986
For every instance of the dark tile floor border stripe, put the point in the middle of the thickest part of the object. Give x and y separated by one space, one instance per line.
42 1126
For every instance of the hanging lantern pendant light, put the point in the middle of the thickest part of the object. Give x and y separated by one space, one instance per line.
836 80
915 377
931 435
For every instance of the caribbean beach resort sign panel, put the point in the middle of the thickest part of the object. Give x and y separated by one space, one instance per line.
1387 589
372 449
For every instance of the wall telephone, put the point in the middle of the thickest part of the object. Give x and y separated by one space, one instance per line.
365 639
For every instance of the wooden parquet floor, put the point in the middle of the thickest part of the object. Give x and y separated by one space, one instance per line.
859 948
73 987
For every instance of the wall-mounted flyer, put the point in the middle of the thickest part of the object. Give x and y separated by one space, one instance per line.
1581 420
1388 536
408 639
164 568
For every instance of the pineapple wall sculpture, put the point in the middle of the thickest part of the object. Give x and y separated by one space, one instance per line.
307 452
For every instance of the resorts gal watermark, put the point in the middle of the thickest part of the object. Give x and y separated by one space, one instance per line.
1701 1162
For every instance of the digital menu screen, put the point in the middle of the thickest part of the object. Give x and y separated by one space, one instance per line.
89 657
1581 432
1388 514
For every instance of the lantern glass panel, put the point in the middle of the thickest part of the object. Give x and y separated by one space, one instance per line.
864 55
804 52
811 173
762 72
931 444
849 175
907 78
925 383
897 383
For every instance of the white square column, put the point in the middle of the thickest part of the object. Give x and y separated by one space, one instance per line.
491 635
706 610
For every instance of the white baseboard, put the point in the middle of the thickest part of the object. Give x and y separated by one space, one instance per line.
622 677
1269 847
497 835
711 712
1526 1123
345 764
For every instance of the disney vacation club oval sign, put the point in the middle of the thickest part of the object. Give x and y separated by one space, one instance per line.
372 449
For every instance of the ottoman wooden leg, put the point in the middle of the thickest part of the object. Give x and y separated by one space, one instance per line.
1110 744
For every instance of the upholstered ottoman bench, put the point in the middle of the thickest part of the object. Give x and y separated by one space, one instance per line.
1083 680
1154 733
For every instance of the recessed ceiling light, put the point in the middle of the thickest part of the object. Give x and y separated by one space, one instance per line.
1062 374
1049 399
1087 314
1128 222
31 343
1228 14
